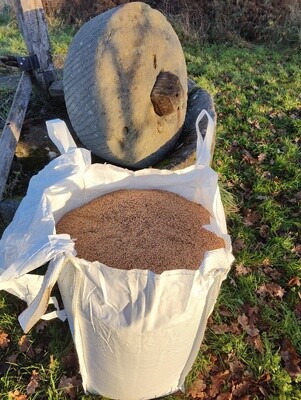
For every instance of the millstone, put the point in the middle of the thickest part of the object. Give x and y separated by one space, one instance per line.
125 84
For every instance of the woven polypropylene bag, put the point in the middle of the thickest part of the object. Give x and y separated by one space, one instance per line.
136 333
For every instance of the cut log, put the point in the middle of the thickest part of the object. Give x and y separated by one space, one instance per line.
167 94
11 132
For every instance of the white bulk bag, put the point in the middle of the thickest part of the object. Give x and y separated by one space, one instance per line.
136 333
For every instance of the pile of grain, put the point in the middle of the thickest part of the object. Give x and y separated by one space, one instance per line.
145 229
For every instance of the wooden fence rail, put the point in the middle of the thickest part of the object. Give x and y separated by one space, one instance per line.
32 23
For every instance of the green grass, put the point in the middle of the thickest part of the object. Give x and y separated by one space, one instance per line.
257 94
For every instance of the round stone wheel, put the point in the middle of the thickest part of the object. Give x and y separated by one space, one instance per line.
125 85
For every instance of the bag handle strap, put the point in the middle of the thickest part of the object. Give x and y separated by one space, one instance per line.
203 149
60 135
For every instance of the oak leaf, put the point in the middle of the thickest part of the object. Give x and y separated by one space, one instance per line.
271 289
26 347
242 270
218 381
69 386
16 395
196 390
295 281
34 382
3 340
290 358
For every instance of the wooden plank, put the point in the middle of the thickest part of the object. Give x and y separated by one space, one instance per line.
11 132
33 25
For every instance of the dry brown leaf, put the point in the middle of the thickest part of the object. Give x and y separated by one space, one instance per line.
34 382
69 386
243 320
251 330
221 328
3 340
26 347
236 368
224 396
256 342
12 358
241 389
261 157
294 281
290 358
241 270
251 218
264 231
272 272
297 249
238 245
16 395
196 390
271 289
248 158
218 380
223 310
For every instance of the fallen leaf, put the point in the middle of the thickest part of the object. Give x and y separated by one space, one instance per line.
224 396
240 269
261 157
256 342
3 340
34 382
294 281
238 245
220 329
297 249
271 289
237 368
218 380
272 272
264 231
26 347
12 358
69 386
223 310
196 390
251 218
243 320
16 395
240 389
290 358
248 158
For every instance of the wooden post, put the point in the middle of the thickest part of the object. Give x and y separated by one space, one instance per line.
11 132
32 23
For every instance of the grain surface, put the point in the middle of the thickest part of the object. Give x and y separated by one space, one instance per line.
144 229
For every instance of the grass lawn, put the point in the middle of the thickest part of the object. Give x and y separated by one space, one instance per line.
252 346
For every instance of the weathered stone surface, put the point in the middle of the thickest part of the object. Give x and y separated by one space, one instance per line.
111 68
